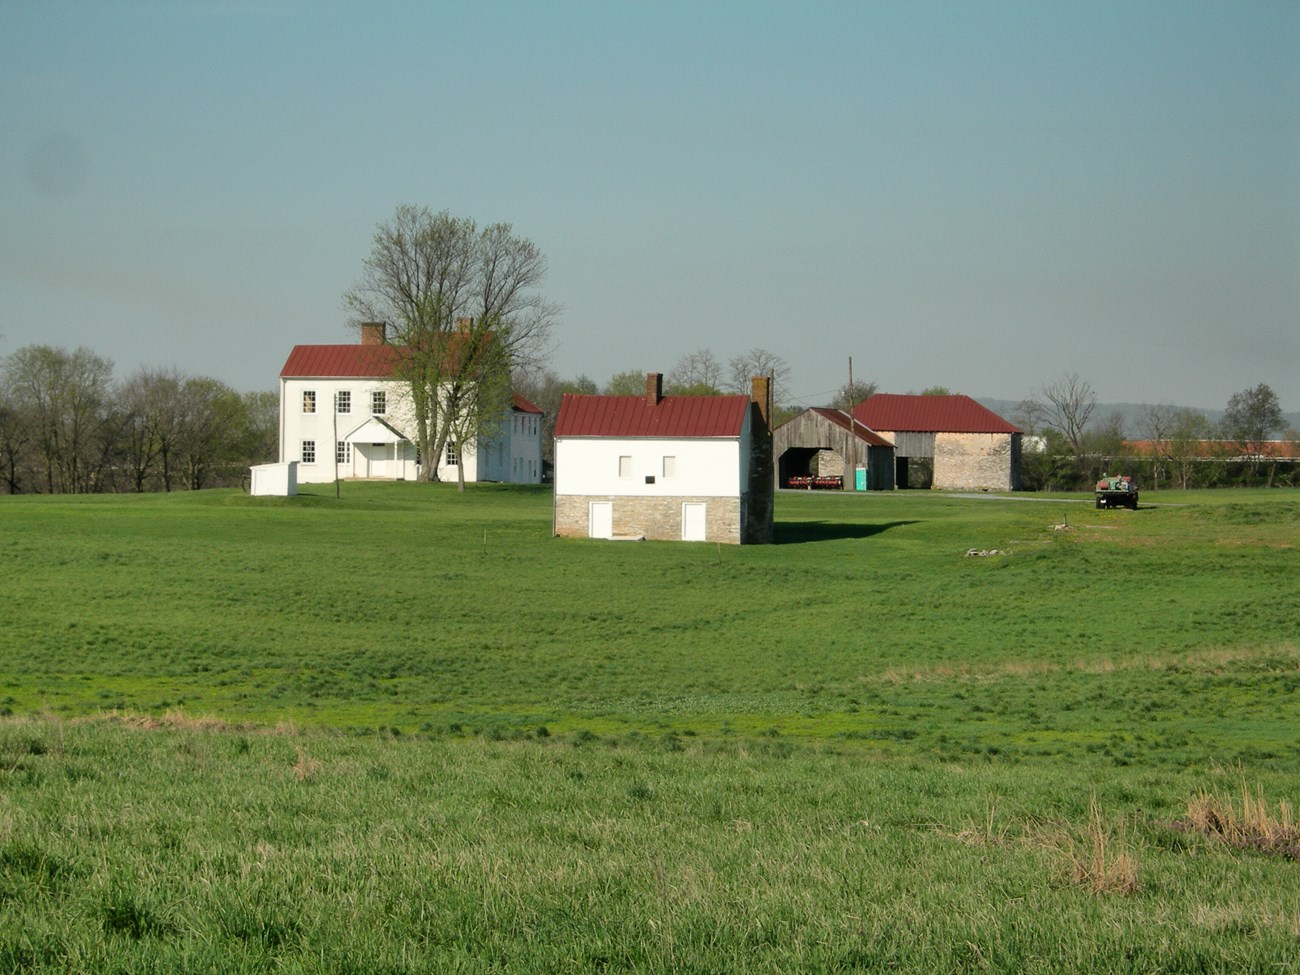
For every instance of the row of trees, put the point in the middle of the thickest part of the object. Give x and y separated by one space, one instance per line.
1177 446
67 426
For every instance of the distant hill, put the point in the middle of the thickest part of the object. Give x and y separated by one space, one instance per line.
1131 412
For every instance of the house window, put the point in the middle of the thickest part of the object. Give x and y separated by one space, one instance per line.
343 401
625 466
670 467
309 451
378 402
309 401
343 452
453 455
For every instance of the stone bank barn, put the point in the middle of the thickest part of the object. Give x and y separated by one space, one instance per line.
690 468
971 447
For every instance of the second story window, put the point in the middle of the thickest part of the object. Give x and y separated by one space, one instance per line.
625 466
343 401
309 401
378 402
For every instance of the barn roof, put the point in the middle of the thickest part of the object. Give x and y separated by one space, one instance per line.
340 362
929 414
860 430
634 416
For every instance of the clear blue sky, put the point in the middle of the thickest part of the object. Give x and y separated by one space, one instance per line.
977 195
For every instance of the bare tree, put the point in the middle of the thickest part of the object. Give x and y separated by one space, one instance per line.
697 373
15 438
460 302
1065 406
759 362
1155 426
66 395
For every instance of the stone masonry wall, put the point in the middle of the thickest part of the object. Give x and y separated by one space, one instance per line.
976 461
655 518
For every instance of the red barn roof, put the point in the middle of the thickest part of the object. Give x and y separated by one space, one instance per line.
929 414
634 416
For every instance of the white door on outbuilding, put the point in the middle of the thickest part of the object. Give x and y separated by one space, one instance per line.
600 519
693 521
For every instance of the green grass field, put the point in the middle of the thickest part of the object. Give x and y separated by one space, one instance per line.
409 731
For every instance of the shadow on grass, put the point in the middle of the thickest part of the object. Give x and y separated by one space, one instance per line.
801 532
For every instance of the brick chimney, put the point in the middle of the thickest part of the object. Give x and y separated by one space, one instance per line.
654 388
374 333
760 392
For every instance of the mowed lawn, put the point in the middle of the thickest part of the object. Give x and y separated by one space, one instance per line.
408 730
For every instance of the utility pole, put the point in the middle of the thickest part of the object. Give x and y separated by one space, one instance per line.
853 436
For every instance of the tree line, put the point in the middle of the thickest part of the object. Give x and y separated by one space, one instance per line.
67 426
1168 446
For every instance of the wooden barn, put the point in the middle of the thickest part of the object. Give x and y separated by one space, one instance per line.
958 443
825 448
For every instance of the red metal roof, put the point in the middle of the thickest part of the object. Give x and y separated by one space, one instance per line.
524 406
863 432
633 416
929 414
340 361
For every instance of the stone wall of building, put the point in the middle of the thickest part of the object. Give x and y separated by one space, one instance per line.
653 518
976 461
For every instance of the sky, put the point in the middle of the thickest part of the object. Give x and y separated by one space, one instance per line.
979 195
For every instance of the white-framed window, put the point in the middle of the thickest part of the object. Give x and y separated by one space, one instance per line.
670 466
343 401
309 451
378 402
309 401
453 455
343 452
624 466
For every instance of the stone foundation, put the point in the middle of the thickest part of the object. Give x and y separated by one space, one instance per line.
659 519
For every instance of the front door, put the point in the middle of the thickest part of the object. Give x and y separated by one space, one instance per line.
693 521
600 519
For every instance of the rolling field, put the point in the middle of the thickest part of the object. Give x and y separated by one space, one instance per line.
410 731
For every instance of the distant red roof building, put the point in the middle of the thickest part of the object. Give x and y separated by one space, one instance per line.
929 414
635 416
1220 449
522 405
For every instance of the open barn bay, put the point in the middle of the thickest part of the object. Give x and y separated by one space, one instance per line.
407 730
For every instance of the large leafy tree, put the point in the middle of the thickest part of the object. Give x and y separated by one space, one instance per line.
463 311
1251 418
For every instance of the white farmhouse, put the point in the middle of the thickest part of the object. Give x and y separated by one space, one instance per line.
695 468
344 415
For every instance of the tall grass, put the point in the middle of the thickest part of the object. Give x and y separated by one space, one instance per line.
176 848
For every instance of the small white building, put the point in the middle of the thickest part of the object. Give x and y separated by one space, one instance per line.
694 468
344 415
